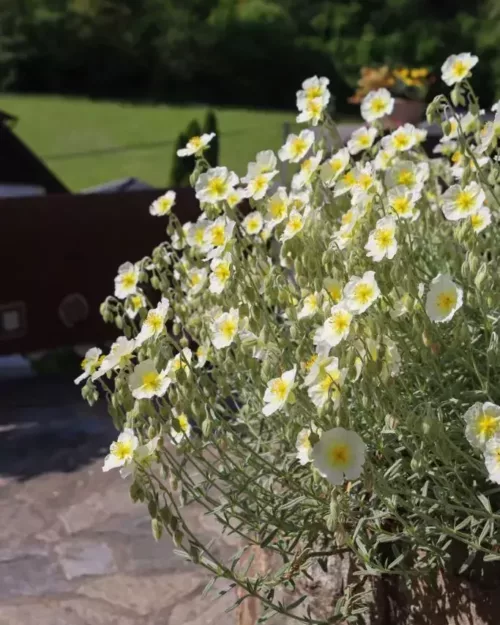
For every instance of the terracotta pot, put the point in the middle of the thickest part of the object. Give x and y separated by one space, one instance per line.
406 112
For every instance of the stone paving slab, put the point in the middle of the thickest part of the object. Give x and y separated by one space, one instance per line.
74 550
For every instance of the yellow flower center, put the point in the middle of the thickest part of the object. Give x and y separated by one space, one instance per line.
165 204
314 108
401 205
335 292
349 178
340 322
384 237
198 236
277 208
122 450
195 279
295 223
364 141
128 280
195 142
459 69
136 302
309 363
222 272
401 141
217 187
253 225
456 157
340 455
446 301
228 328
151 381
477 221
365 181
313 92
336 165
464 201
406 177
487 425
154 321
183 423
298 146
218 235
363 293
260 182
378 105
279 388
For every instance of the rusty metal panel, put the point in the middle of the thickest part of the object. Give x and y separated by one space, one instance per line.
59 255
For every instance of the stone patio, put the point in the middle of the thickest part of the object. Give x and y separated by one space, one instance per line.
74 550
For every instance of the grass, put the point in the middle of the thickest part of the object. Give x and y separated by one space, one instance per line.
86 142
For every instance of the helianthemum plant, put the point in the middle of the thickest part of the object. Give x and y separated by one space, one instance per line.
317 366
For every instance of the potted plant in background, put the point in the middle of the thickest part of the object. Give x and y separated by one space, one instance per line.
409 86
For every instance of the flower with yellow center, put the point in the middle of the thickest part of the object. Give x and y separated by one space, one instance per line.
310 306
217 236
307 169
481 220
294 224
402 201
332 168
492 459
253 223
335 328
134 304
361 139
126 280
443 299
382 241
119 357
402 139
225 328
121 452
338 455
361 293
345 183
258 184
180 362
313 111
383 159
146 382
195 280
163 205
461 202
296 146
277 207
457 67
482 423
407 174
196 145
377 104
215 185
154 323
182 428
221 272
313 88
278 391
328 385
90 364
303 444
195 234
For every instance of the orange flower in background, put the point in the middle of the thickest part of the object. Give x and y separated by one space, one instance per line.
411 83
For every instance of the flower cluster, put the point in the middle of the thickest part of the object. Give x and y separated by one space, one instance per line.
406 82
299 359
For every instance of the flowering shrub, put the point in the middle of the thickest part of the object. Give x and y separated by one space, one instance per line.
411 83
318 366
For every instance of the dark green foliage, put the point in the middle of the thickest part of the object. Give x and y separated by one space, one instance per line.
210 125
247 52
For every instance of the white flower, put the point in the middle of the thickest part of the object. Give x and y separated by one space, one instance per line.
253 223
134 303
183 429
310 306
234 197
313 111
365 182
154 323
459 202
202 356
225 328
339 454
215 185
89 364
221 272
265 163
277 207
377 104
298 200
335 328
217 235
163 205
360 293
457 67
258 178
121 452
482 423
481 220
195 233
196 279
402 201
196 145
312 89
443 299
180 362
382 241
345 183
402 139
296 146
361 139
334 167
294 224
407 174
383 159
277 392
303 444
146 382
126 280
307 168
492 459
118 357
328 385
143 457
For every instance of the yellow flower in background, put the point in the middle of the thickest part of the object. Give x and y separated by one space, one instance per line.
339 455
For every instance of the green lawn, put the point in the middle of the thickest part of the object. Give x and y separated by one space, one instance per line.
88 142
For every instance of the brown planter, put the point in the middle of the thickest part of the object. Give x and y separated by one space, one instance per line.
405 112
